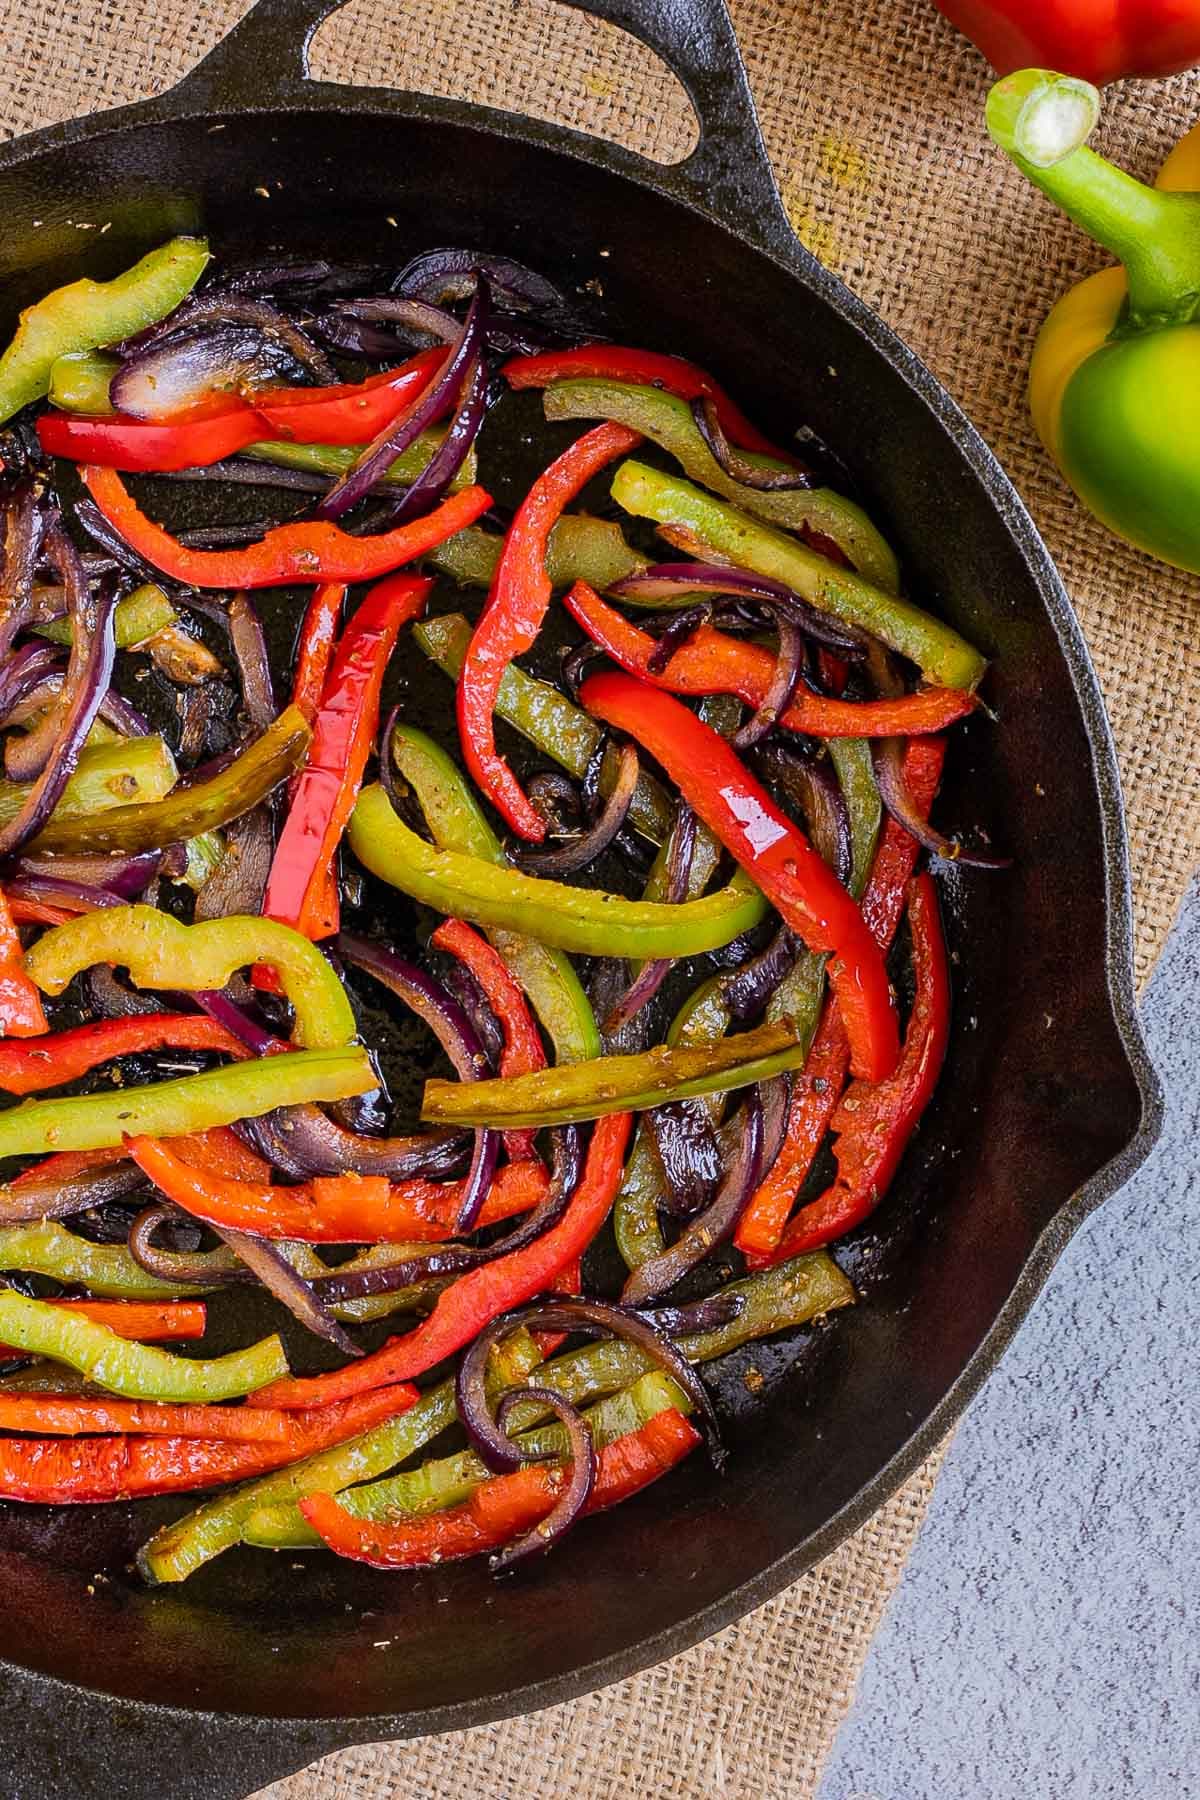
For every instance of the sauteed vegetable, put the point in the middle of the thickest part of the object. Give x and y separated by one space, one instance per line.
656 939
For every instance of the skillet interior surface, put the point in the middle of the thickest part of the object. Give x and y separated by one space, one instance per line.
1038 1093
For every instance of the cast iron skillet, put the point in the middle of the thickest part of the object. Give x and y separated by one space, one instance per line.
1048 1102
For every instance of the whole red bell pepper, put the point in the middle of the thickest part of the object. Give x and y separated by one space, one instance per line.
299 892
523 1049
505 1507
335 1209
644 368
773 851
512 617
817 1088
711 662
301 554
53 1060
21 1013
468 1304
87 1471
1101 40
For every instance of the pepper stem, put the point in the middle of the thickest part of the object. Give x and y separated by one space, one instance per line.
1042 121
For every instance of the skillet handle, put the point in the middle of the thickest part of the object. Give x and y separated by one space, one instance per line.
264 61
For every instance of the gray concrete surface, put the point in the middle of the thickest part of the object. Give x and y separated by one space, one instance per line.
1045 1641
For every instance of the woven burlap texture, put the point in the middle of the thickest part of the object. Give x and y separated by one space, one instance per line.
872 112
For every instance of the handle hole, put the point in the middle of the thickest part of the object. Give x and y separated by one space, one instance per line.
522 56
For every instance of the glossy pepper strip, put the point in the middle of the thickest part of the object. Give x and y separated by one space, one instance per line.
137 1371
190 1103
774 852
88 313
817 1088
129 1468
467 1305
523 1050
160 952
341 1209
21 1014
66 1415
648 368
584 920
1093 38
302 554
151 1322
874 1123
712 662
344 731
314 651
504 1507
172 818
943 657
66 1055
512 618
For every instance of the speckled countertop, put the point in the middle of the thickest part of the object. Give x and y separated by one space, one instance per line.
1045 1641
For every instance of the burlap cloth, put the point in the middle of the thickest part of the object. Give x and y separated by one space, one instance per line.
872 112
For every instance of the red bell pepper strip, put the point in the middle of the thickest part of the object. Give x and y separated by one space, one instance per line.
817 1088
645 368
711 662
874 1123
70 1415
21 1012
512 617
143 1321
503 1508
202 435
774 852
337 1209
66 1055
314 650
52 1473
301 554
466 1306
1101 40
344 733
36 912
523 1050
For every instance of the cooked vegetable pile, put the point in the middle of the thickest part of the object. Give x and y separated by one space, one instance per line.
655 994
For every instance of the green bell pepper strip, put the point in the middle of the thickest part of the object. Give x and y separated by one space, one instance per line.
580 549
667 421
616 1083
335 459
108 778
457 823
176 817
79 382
88 313
939 652
551 722
190 1103
105 1270
584 920
159 951
851 757
177 1551
138 1371
141 615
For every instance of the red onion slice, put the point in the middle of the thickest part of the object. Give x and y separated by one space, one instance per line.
125 877
746 990
55 1198
27 513
213 341
780 688
565 859
888 757
302 1141
270 1266
249 644
737 466
577 1482
810 785
651 976
689 1153
239 881
433 480
663 580
452 274
193 1268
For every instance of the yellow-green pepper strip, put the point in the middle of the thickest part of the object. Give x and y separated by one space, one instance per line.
108 778
88 313
79 382
206 806
457 823
139 616
191 1103
178 1550
160 952
851 757
617 1083
667 421
551 722
138 1371
580 549
105 1270
938 651
584 920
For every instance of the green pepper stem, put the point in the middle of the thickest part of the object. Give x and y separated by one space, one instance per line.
1041 120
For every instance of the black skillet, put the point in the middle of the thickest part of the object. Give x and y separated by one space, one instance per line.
1048 1101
